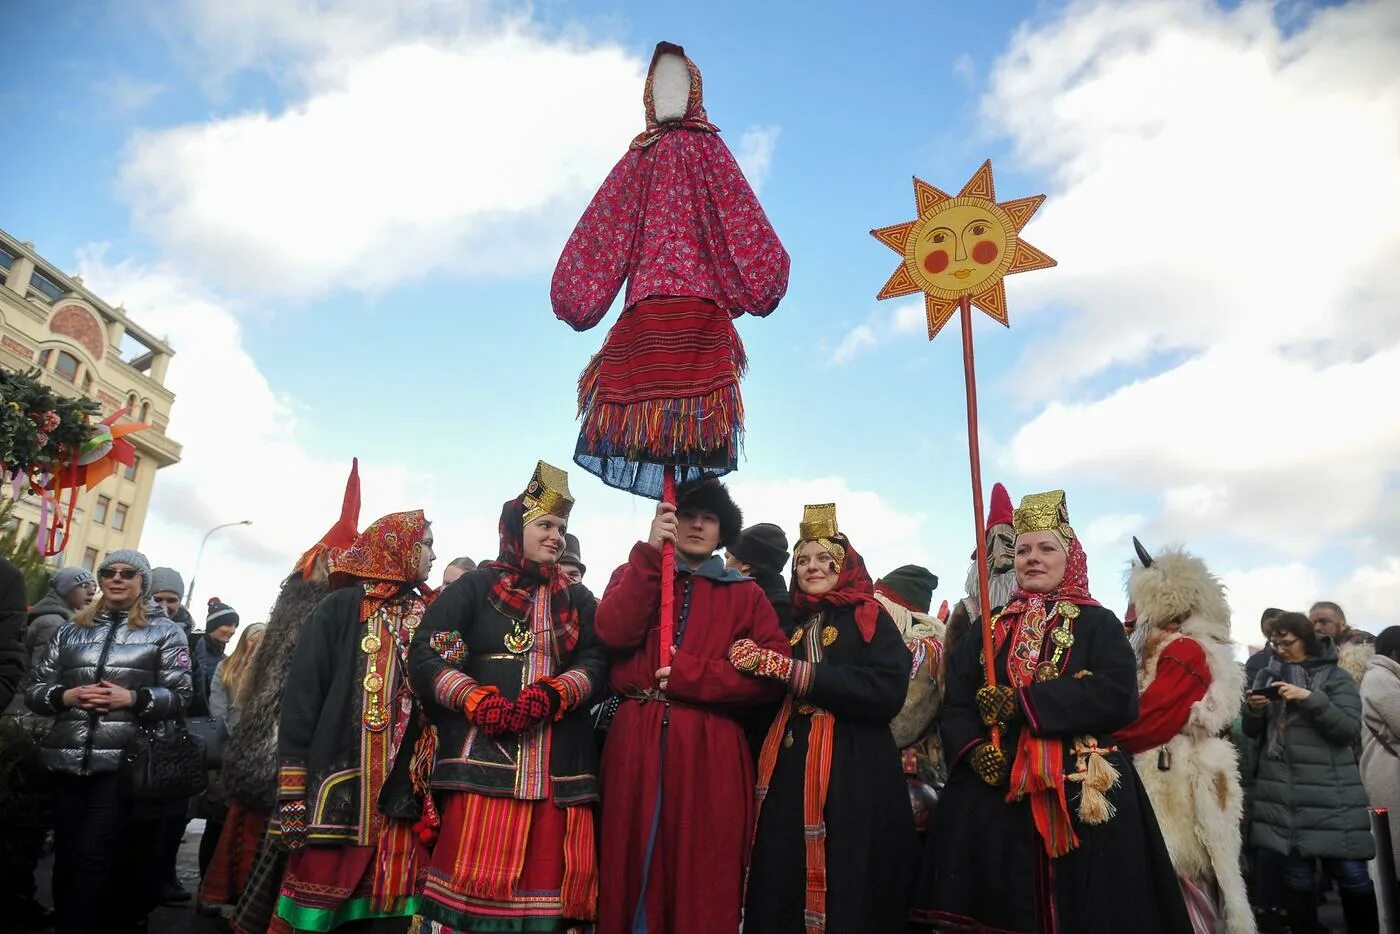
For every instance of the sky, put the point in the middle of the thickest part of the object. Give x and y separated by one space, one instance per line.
344 218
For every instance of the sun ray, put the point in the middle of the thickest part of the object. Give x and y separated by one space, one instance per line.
1027 258
980 185
901 283
993 302
938 311
926 196
1022 209
895 235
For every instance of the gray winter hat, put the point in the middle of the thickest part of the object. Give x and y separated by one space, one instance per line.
66 579
167 580
134 558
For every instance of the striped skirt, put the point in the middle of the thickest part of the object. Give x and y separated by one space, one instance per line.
505 865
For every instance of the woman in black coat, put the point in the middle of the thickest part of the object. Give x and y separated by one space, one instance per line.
834 823
1049 831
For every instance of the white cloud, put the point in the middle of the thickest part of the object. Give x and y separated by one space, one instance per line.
243 457
1291 586
471 153
127 95
884 324
1228 228
860 338
755 153
1369 595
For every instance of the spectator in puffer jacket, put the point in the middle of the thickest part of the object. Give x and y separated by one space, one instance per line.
70 591
114 667
1308 803
12 606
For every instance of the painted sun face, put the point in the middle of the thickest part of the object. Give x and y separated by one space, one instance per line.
960 248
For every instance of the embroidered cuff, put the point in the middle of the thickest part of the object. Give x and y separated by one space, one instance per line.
474 696
451 687
802 676
291 783
573 686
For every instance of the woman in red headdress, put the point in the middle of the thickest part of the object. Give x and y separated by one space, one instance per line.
509 657
344 809
834 826
1049 831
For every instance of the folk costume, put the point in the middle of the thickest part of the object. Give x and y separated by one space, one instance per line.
345 808
677 772
834 830
508 656
1191 688
248 865
679 222
1051 834
906 593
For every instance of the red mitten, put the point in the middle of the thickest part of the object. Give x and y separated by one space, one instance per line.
536 703
492 714
746 656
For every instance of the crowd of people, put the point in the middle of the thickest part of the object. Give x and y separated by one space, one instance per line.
803 747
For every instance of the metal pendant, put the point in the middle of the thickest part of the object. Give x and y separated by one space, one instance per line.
828 635
787 740
519 641
369 644
1062 637
1046 671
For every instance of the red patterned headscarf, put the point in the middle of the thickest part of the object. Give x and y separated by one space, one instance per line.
695 117
385 558
513 593
854 588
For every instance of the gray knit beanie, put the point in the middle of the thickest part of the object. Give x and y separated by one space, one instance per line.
134 558
66 579
167 580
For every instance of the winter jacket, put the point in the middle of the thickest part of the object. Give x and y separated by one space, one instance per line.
207 655
1380 727
153 661
12 605
221 703
1309 801
45 618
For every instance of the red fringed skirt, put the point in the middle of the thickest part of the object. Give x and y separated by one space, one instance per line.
506 865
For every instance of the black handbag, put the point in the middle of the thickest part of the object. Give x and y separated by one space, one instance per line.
163 762
214 732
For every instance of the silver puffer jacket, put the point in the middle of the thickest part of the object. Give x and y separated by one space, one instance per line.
153 662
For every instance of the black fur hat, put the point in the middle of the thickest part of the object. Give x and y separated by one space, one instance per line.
706 492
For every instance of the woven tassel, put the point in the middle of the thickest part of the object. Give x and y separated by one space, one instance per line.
419 770
1097 777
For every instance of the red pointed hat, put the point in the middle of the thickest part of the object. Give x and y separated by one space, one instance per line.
343 534
1000 513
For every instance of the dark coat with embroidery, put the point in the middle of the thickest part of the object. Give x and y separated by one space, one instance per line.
985 863
320 734
869 825
469 760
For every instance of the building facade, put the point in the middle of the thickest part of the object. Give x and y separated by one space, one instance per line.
85 347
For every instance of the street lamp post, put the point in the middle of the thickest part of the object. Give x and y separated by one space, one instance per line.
189 593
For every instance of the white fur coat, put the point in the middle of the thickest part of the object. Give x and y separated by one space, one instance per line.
1198 800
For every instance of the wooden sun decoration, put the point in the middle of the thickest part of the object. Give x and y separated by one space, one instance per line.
960 248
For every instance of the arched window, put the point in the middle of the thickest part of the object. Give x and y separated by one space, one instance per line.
44 358
131 405
145 412
67 366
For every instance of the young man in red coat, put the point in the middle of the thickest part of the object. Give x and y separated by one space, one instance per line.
677 773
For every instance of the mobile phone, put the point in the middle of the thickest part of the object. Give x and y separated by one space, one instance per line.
1269 690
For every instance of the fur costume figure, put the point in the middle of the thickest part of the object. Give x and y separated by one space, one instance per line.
250 762
1191 687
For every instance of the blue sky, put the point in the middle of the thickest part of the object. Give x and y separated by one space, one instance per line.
345 217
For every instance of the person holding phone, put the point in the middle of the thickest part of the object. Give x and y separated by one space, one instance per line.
1309 803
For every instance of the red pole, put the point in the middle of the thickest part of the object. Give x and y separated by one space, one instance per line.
974 456
668 579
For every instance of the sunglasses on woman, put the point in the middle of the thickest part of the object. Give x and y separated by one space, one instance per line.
125 574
